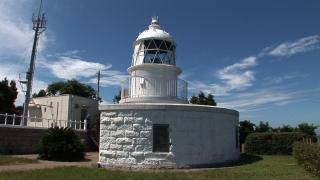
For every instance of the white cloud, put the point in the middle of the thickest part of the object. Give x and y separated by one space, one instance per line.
237 76
245 63
16 32
293 47
77 68
71 68
248 101
16 38
12 73
71 53
280 79
197 86
233 77
267 97
111 78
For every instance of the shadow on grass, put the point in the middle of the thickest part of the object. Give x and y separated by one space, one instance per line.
58 160
244 159
64 160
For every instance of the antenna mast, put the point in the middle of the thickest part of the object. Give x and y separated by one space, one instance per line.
39 25
98 84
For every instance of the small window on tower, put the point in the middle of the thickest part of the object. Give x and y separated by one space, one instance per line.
237 136
161 138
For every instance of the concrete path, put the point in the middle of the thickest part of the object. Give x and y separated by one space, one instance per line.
91 161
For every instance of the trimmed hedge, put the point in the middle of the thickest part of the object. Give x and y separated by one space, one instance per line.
308 155
272 143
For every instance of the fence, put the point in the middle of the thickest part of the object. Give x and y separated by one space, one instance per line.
36 122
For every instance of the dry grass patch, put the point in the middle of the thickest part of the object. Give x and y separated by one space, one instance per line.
10 160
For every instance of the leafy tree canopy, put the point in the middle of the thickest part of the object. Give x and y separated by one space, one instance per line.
286 128
246 128
41 93
117 98
263 127
202 99
308 129
8 95
67 87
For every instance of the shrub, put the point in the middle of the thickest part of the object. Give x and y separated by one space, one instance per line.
61 144
272 143
308 155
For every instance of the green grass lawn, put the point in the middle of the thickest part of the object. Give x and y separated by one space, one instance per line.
268 167
9 160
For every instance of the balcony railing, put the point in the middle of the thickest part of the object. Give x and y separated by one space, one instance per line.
135 87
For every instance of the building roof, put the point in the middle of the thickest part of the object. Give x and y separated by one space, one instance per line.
155 32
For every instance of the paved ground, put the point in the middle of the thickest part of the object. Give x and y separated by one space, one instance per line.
91 161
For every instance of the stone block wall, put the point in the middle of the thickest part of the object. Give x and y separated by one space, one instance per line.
198 135
126 140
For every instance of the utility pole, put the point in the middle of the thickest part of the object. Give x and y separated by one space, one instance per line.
39 25
98 91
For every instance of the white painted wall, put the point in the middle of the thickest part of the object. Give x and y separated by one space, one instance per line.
199 135
64 107
154 83
156 80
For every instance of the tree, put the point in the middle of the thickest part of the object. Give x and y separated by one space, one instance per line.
210 100
8 95
202 99
71 87
56 88
117 98
194 100
41 93
286 128
19 110
246 127
308 129
263 127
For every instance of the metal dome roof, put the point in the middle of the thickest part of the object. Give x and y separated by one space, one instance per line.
155 32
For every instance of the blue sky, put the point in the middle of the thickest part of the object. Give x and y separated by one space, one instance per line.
258 57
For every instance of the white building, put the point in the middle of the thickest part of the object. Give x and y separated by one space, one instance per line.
61 110
154 126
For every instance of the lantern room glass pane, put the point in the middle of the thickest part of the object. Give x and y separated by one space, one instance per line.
158 51
146 43
163 45
158 43
152 45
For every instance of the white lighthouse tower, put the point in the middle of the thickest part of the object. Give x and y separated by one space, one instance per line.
153 72
154 126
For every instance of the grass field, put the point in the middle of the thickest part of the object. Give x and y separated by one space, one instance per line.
266 167
9 160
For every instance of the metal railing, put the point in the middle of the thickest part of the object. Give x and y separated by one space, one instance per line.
137 86
37 122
